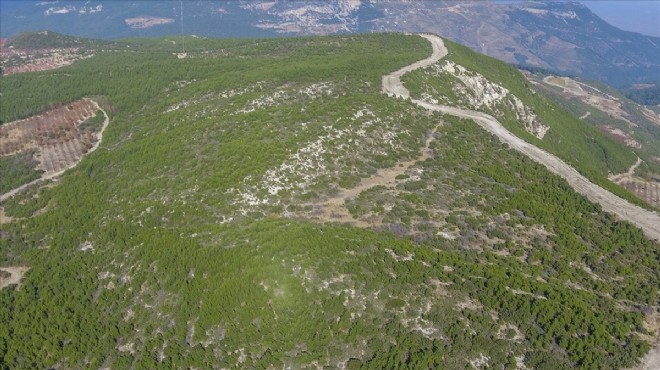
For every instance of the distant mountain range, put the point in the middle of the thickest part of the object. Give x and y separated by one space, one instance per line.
565 37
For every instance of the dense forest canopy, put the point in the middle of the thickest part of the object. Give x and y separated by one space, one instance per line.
189 238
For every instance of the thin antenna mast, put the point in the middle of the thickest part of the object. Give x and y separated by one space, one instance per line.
183 39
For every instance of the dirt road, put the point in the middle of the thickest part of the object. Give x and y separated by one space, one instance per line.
648 221
627 174
17 190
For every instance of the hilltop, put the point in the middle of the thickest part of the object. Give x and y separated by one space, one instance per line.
262 203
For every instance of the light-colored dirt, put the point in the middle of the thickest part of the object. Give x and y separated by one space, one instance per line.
598 99
392 82
627 174
648 221
333 209
40 59
58 158
16 272
652 359
621 136
649 191
4 219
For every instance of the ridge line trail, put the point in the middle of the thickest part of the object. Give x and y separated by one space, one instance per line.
17 190
648 221
333 208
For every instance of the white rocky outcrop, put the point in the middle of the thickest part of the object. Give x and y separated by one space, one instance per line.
477 92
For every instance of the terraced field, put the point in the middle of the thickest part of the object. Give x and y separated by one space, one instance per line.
649 191
55 139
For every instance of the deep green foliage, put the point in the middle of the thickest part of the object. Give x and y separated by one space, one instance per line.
17 170
143 257
52 40
93 124
645 96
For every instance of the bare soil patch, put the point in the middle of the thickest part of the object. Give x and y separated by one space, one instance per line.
4 219
333 209
12 275
596 98
620 136
55 134
652 359
648 191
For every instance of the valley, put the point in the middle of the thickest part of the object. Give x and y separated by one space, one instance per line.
631 124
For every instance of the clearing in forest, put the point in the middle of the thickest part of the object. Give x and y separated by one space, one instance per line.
57 139
12 275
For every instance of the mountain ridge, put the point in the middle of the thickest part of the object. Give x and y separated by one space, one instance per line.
563 36
192 237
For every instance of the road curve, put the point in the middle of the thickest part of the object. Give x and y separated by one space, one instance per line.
646 220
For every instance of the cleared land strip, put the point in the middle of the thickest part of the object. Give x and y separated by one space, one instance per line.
49 174
648 221
334 208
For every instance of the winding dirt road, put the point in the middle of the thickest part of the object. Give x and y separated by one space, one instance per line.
648 221
53 175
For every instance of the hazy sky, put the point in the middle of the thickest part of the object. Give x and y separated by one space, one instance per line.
637 16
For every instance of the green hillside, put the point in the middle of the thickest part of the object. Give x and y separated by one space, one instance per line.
585 148
52 40
196 236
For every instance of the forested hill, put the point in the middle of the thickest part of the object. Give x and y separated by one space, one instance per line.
563 36
259 203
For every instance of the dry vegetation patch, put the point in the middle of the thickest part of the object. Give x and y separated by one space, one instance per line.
18 60
596 98
649 191
52 142
55 135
